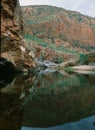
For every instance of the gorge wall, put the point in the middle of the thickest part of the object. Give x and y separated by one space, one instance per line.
13 47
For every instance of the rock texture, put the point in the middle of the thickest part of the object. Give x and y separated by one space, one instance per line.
13 47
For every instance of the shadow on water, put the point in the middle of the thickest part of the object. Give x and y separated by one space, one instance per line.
47 100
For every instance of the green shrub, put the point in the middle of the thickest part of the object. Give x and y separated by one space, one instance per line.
83 58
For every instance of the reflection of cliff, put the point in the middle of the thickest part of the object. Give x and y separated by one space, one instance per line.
49 110
52 105
47 100
10 114
10 123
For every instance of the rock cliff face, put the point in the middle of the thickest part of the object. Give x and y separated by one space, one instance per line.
13 47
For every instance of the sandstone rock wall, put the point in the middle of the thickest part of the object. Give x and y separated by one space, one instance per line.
12 27
13 47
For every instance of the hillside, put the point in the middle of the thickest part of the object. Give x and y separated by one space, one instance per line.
60 27
58 34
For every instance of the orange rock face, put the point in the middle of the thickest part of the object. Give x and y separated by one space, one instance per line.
13 47
11 26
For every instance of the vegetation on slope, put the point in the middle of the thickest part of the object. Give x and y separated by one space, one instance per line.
65 32
59 26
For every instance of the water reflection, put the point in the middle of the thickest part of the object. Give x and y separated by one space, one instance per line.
84 124
46 100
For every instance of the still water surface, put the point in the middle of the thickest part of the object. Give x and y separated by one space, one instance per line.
47 101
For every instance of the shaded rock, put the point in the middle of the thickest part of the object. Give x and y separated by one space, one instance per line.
91 57
6 66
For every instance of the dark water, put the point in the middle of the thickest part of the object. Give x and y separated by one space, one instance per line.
47 101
